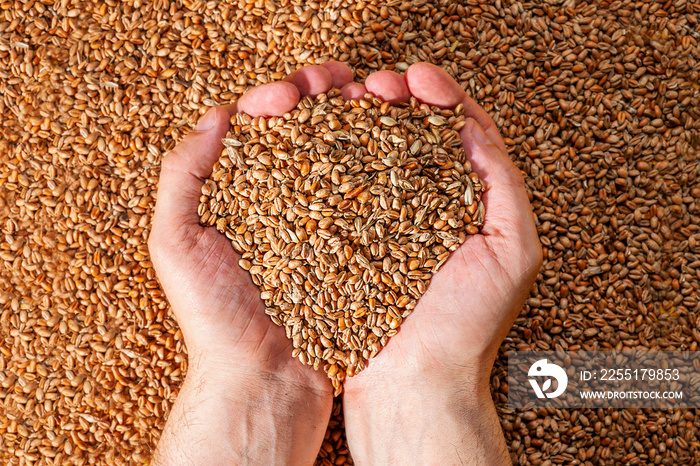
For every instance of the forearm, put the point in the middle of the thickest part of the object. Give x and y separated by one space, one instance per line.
423 424
244 422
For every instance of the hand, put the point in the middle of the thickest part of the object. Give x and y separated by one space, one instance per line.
425 398
244 398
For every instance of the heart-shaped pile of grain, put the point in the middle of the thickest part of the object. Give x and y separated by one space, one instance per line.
342 212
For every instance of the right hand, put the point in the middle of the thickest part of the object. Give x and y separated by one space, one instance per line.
440 361
244 397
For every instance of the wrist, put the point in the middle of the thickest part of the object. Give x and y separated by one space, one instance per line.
287 388
397 369
228 416
436 417
412 394
277 371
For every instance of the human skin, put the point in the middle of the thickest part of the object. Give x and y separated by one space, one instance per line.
425 398
245 400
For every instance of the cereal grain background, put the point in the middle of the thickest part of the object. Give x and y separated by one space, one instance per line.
599 104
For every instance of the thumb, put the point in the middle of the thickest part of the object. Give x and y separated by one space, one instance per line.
183 172
508 210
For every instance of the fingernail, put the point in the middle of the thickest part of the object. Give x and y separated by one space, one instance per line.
207 122
478 134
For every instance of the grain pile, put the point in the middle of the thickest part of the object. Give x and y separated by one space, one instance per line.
598 102
342 212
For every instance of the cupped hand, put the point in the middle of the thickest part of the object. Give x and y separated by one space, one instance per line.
454 332
424 399
472 301
215 302
244 393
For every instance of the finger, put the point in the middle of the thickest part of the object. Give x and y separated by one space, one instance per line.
186 167
231 108
508 210
311 80
389 86
183 171
353 91
434 86
341 74
273 99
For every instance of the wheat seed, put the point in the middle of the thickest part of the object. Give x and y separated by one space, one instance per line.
340 224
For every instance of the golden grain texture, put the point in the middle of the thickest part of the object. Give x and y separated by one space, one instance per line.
599 106
342 212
